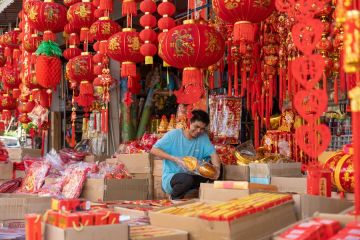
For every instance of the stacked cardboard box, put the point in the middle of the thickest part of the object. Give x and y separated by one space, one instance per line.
157 173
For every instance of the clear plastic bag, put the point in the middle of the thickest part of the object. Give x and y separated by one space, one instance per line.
35 177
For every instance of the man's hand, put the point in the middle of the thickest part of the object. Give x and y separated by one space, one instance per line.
180 162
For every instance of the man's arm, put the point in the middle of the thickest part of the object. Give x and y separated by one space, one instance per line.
163 155
215 160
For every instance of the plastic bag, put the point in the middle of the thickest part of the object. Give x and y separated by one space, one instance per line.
35 177
148 141
52 189
73 182
226 154
113 171
67 154
225 119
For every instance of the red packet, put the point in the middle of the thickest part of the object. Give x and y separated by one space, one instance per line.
53 218
33 227
86 218
331 226
114 218
68 220
100 218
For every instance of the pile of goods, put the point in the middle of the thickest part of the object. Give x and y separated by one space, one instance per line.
230 210
142 205
203 168
143 145
317 229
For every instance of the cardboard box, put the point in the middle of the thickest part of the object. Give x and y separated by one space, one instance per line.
236 172
342 219
112 232
17 154
256 226
157 168
115 189
135 163
6 171
262 172
94 158
208 192
150 180
290 184
158 192
15 206
131 213
156 233
307 205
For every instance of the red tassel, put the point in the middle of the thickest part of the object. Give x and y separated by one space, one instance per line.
103 120
129 8
86 88
95 123
229 85
106 5
262 108
336 97
324 81
342 74
73 142
84 34
256 132
243 82
289 79
211 80
248 100
280 88
191 75
106 121
271 82
236 80
103 47
267 113
128 69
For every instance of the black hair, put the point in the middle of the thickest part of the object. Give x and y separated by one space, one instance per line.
201 116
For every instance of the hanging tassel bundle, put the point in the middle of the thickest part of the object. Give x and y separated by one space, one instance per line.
336 94
236 81
128 69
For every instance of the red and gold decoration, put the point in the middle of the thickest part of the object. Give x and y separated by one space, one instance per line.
148 35
192 47
124 47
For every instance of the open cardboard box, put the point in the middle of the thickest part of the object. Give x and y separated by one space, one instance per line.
134 163
115 189
307 205
260 225
15 206
290 184
236 172
17 154
342 219
108 232
208 192
262 172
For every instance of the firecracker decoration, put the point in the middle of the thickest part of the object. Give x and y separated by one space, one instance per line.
48 64
192 47
148 35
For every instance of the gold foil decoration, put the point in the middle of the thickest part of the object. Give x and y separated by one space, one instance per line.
352 41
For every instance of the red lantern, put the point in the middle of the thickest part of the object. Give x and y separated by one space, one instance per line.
81 16
70 28
166 10
10 78
243 15
48 77
80 68
31 42
26 107
104 28
47 16
68 3
24 119
192 46
16 93
148 21
125 48
11 39
7 102
71 52
6 115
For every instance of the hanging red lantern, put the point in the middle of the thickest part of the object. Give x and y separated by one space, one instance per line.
166 10
148 36
6 115
7 102
70 28
26 107
243 15
104 28
68 3
80 68
11 39
47 17
10 78
125 48
81 16
192 46
31 42
71 52
24 119
16 93
42 97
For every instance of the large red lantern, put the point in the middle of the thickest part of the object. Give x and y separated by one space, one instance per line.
71 52
191 46
243 14
48 17
7 102
31 42
11 39
26 107
2 57
81 16
125 48
104 28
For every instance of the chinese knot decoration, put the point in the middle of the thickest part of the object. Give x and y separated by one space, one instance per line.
310 101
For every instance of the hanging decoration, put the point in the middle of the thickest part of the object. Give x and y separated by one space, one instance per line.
192 47
148 35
